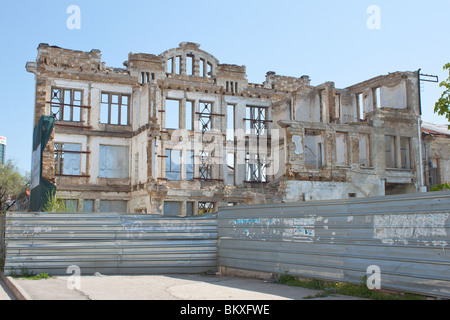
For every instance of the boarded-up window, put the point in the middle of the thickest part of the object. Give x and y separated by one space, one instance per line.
113 162
172 208
113 206
71 205
364 150
341 149
189 209
337 106
434 177
68 159
390 152
405 153
88 206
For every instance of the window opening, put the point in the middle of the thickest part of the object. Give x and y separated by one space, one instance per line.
113 162
202 68
256 167
205 116
231 160
190 166
205 166
173 165
66 104
256 120
314 153
230 122
170 66
205 208
172 114
360 104
190 65
115 109
189 115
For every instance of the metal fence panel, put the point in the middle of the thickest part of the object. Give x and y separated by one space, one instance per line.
2 241
407 236
109 243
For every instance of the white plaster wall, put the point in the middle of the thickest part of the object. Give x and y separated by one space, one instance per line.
139 148
330 190
95 154
306 108
394 97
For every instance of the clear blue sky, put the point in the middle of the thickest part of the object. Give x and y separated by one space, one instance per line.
326 39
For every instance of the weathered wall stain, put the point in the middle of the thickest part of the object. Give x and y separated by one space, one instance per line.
404 227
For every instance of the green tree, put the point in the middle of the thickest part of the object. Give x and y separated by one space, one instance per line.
440 187
12 183
442 107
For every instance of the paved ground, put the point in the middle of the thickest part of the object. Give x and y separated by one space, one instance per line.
5 293
168 287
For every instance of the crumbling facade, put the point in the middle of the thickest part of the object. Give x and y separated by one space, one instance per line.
181 134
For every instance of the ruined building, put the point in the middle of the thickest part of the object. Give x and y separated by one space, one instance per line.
436 153
180 133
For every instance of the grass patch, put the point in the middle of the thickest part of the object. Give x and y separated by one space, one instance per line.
24 273
356 290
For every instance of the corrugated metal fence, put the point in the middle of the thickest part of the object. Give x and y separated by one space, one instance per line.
406 236
109 243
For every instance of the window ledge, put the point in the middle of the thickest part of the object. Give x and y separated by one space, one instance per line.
72 176
399 169
264 182
343 166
